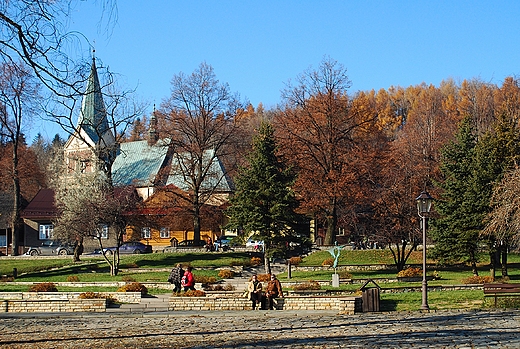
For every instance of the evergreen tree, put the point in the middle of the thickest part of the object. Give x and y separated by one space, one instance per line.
496 153
456 231
264 203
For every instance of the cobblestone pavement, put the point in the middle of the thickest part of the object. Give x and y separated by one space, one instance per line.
263 329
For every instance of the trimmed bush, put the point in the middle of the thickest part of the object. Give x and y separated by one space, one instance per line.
96 295
134 287
295 260
226 274
264 277
343 274
478 280
227 287
72 278
410 272
190 293
44 287
328 262
128 278
309 285
256 261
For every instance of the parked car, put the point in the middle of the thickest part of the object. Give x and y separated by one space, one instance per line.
50 248
134 247
254 243
224 242
192 243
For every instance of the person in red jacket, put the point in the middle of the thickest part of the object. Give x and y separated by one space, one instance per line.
188 281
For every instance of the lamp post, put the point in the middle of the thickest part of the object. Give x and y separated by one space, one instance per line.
424 204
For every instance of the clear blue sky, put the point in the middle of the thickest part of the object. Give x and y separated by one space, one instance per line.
257 46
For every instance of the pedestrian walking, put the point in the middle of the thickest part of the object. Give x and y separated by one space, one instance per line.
254 289
273 290
175 278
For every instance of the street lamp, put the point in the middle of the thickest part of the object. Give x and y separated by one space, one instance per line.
424 204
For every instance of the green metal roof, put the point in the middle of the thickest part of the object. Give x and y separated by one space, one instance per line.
138 163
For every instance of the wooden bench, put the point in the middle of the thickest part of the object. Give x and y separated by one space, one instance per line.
501 290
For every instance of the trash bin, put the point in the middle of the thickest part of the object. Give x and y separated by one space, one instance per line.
370 297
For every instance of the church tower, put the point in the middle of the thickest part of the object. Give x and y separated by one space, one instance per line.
92 147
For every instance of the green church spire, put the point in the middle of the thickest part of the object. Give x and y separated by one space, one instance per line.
93 118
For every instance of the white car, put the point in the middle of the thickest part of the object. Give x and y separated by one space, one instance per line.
252 243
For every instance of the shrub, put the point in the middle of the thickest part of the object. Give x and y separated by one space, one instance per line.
343 274
72 278
44 287
96 295
309 285
256 261
477 280
295 260
409 272
128 278
226 287
90 295
191 293
226 274
205 279
263 277
328 262
134 287
240 262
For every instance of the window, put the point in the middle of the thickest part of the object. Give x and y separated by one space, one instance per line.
103 229
165 233
146 233
46 231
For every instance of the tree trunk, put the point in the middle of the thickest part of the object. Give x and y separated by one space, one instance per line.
196 221
332 222
78 249
267 262
492 264
473 262
504 261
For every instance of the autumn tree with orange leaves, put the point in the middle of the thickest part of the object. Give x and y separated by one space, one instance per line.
319 133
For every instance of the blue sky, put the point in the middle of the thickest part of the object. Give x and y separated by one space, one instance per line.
257 46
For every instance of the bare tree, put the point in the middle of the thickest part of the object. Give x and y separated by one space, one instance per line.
89 208
200 114
35 32
18 98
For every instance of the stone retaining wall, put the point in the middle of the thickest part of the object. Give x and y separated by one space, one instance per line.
53 305
123 297
26 302
347 305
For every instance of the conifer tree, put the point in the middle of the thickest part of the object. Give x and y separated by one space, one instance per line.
264 203
456 231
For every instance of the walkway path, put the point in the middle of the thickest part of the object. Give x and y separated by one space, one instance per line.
262 329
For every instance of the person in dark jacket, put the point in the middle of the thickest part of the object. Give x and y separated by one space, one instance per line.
273 290
175 278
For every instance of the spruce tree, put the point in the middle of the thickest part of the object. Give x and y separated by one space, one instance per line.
264 203
456 231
